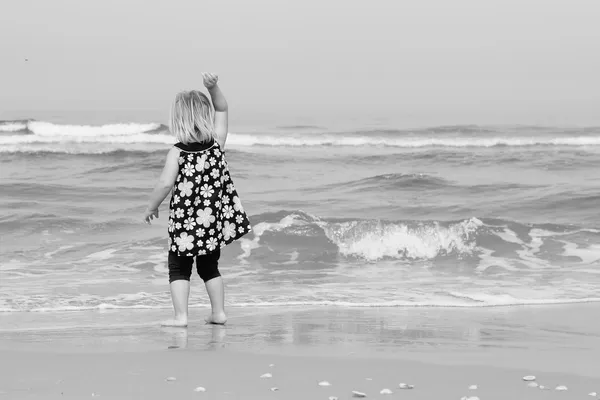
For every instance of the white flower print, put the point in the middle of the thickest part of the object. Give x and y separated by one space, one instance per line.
181 160
211 232
226 177
211 243
197 201
177 225
173 248
185 242
189 224
228 230
214 173
190 212
171 213
206 178
237 204
206 165
198 179
176 199
179 213
190 157
213 161
206 203
171 225
217 183
200 232
187 202
220 236
205 217
219 225
225 199
241 229
239 219
217 153
199 243
189 169
201 163
185 187
207 190
229 188
228 211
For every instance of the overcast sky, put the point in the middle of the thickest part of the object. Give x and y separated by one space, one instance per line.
300 61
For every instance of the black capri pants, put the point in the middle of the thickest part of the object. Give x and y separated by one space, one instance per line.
207 265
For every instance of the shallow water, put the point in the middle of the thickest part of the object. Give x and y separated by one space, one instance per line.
460 216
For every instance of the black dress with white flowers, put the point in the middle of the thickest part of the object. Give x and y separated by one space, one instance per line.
205 211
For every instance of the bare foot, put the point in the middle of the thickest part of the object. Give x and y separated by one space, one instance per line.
177 322
216 318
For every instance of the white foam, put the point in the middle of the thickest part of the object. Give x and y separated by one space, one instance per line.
43 129
334 140
373 242
587 255
13 127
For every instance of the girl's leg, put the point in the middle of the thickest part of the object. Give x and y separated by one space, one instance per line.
216 293
208 269
180 270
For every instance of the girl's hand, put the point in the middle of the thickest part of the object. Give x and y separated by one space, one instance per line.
149 215
210 80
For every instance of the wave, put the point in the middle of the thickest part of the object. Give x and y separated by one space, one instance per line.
390 181
41 136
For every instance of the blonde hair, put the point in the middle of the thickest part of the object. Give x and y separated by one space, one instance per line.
192 117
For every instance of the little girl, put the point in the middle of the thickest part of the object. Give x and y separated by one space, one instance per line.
205 212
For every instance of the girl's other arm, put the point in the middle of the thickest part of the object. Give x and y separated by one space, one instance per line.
220 105
164 185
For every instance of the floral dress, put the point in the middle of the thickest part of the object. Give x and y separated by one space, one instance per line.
205 211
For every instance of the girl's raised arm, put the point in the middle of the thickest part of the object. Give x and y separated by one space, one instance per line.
220 105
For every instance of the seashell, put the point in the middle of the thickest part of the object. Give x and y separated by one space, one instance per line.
473 387
529 378
324 383
405 386
358 394
199 389
385 391
171 379
533 384
561 388
267 375
274 389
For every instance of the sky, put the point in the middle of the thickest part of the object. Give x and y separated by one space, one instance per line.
396 62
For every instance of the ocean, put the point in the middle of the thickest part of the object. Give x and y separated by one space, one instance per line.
446 216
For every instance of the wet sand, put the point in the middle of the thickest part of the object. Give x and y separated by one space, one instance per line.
440 351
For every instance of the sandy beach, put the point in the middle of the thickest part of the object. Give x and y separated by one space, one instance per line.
442 352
